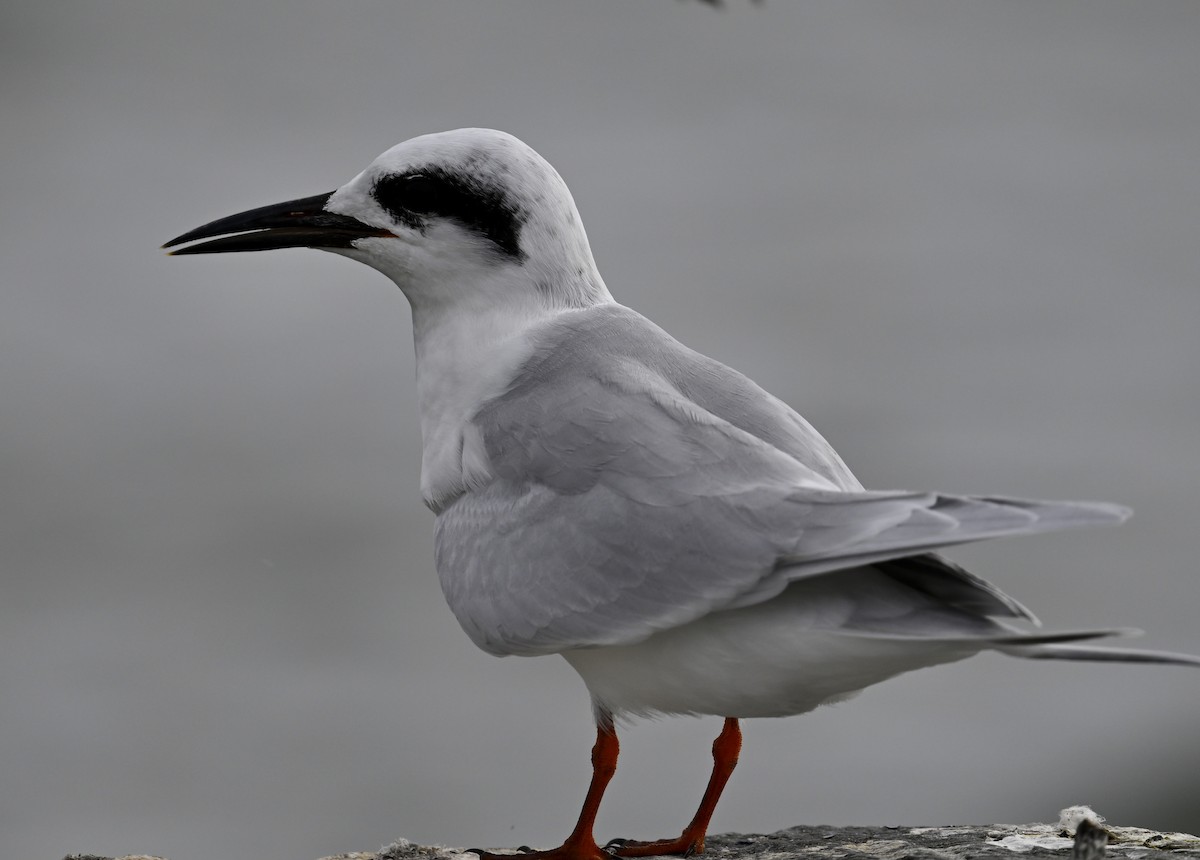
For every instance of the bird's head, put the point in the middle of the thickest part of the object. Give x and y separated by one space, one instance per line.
471 215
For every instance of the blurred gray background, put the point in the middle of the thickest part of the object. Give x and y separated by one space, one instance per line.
960 237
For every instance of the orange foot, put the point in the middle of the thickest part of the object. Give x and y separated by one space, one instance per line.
569 850
684 845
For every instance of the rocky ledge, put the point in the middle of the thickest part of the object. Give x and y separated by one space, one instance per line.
1079 834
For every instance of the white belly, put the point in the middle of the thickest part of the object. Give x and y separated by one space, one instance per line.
783 657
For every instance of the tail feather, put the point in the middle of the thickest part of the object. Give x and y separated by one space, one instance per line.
1001 640
1102 655
1032 646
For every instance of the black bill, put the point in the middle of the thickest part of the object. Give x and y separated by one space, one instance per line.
295 224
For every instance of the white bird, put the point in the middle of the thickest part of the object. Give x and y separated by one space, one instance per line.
685 540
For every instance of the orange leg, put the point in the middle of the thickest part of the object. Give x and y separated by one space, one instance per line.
725 751
581 844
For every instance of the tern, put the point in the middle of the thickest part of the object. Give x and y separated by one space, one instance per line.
685 540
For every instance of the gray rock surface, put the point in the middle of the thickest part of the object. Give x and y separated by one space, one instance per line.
1008 841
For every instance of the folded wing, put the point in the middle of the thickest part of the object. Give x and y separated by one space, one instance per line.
637 486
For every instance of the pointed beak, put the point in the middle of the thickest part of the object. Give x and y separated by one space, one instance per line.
294 224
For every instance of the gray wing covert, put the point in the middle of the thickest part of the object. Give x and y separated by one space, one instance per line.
614 512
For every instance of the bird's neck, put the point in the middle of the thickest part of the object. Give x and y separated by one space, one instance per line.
467 353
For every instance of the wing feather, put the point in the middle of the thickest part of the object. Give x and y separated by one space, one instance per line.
635 489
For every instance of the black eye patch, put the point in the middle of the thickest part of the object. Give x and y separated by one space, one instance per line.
411 198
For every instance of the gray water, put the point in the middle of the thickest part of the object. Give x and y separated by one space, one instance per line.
961 238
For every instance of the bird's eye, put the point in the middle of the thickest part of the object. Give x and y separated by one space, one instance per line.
410 194
419 193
